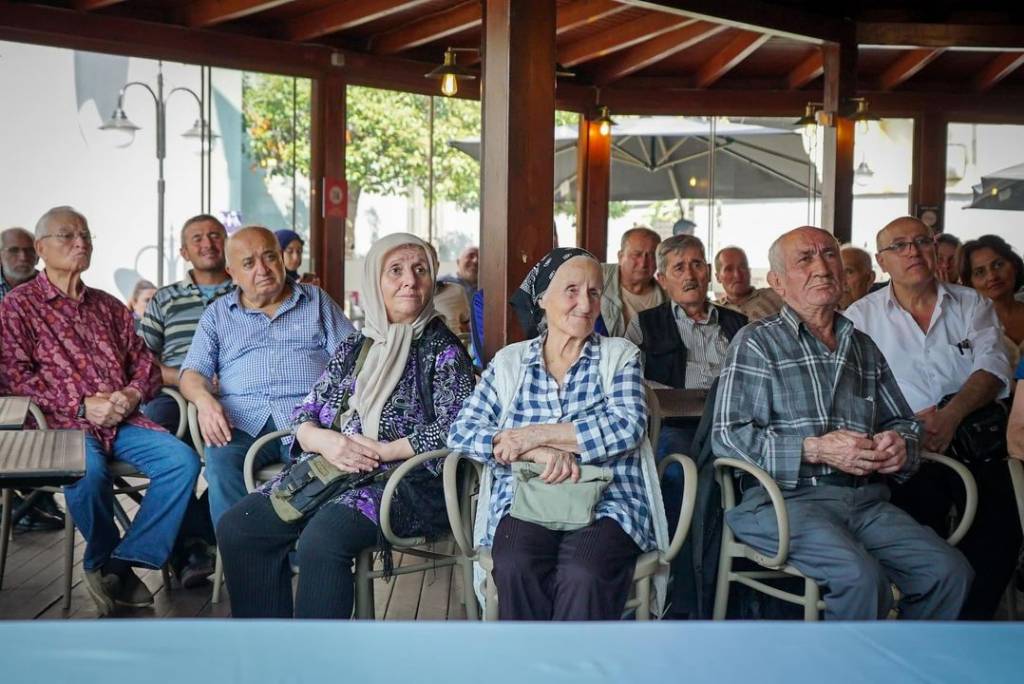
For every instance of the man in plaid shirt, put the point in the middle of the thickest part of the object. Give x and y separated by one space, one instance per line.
811 400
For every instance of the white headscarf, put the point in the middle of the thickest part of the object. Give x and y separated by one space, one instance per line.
385 362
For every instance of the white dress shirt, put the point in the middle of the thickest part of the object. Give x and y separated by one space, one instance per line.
964 336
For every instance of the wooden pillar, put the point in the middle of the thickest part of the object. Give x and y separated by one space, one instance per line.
593 186
928 178
840 61
517 204
327 224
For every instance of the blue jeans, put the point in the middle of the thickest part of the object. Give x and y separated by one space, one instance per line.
163 411
172 469
224 467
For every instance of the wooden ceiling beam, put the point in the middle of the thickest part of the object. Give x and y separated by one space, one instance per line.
756 16
90 5
205 13
904 68
620 37
344 15
806 71
737 50
582 12
435 27
655 50
998 69
1006 36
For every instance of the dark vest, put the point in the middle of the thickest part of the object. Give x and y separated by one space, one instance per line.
664 352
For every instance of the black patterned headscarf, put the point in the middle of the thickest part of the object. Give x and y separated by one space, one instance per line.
525 300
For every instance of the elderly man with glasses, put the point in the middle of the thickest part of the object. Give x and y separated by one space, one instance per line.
73 350
944 344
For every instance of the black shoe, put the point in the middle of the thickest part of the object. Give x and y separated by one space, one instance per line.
197 571
47 504
37 521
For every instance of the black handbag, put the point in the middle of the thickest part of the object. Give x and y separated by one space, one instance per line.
981 436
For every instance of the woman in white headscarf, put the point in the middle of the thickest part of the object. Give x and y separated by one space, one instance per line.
390 392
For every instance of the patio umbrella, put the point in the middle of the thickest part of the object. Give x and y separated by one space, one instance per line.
666 157
1000 190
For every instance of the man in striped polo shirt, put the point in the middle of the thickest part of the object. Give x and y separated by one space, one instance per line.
173 314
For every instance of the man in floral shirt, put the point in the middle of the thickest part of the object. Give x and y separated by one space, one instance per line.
74 351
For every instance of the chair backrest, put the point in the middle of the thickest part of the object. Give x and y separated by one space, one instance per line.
654 416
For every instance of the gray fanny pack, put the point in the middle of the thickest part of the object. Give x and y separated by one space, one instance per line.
565 506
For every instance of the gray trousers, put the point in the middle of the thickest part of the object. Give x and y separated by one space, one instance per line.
854 543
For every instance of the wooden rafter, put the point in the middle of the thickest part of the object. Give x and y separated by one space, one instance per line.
89 5
941 35
429 29
620 37
906 66
998 69
756 16
203 13
344 15
806 71
581 12
652 51
737 50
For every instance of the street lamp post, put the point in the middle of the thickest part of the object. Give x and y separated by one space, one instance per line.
120 123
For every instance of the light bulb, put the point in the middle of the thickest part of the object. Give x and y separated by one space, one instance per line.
449 85
605 128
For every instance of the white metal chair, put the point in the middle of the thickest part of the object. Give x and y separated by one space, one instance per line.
118 471
777 566
365 572
462 502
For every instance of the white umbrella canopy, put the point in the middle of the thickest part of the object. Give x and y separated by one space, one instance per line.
667 157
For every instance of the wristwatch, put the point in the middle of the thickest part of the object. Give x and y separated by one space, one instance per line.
80 413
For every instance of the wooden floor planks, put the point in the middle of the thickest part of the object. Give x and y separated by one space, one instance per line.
33 587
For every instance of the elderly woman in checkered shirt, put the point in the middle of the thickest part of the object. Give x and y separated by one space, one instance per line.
545 401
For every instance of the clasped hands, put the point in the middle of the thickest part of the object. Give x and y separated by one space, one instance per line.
351 453
856 453
107 409
524 444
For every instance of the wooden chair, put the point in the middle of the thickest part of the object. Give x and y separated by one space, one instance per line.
777 566
463 499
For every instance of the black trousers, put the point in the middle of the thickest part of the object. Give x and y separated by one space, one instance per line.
255 544
541 574
993 543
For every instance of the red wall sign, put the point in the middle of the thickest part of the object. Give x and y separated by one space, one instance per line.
335 198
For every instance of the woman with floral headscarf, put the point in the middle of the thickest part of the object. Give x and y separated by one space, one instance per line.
390 392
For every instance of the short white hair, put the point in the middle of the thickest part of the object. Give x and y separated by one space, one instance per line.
10 232
43 224
776 258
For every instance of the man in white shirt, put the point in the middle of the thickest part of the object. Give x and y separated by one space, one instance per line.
944 340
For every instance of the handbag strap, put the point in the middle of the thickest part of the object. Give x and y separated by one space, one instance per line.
364 351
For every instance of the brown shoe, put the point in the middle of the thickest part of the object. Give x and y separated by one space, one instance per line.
132 593
102 589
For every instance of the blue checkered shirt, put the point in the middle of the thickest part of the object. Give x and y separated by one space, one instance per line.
266 366
610 425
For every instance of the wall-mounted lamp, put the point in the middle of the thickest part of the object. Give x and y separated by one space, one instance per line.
449 72
810 115
604 122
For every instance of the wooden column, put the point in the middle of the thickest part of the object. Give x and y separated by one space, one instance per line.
327 163
840 61
593 186
517 204
928 179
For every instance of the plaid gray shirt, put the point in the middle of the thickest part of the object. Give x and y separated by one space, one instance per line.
781 385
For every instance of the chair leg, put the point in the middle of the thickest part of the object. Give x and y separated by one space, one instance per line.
69 555
364 608
165 574
218 578
643 596
811 597
468 592
722 582
5 531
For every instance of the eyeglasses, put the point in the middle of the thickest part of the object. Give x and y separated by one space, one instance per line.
902 247
83 235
